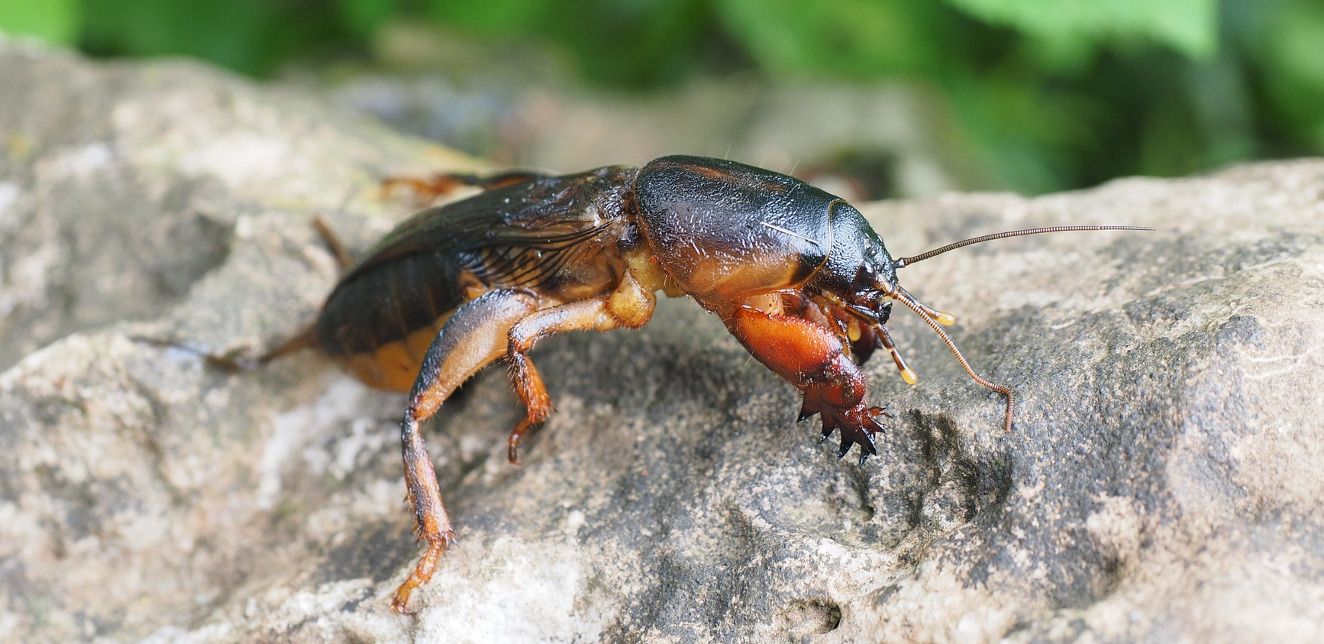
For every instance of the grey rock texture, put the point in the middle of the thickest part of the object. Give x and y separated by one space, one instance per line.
1162 481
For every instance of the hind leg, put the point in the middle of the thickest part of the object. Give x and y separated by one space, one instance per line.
475 336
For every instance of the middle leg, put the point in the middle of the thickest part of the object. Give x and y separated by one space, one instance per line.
629 305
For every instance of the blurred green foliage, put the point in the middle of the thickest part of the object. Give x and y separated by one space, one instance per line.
53 20
1050 94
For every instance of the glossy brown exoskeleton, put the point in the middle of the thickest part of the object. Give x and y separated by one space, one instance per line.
794 273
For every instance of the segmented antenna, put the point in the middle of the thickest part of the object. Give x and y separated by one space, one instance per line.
937 319
907 261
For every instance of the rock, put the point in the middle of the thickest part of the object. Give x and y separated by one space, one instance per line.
1160 482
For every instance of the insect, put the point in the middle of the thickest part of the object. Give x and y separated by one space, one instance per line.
795 274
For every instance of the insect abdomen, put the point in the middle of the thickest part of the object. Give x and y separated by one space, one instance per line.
379 323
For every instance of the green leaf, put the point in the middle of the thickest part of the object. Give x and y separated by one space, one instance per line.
1189 26
232 33
636 42
362 17
54 21
859 38
1289 45
1027 136
494 17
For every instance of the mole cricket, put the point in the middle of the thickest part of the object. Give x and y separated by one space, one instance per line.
796 274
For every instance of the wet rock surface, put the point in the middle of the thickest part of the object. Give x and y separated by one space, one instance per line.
1161 482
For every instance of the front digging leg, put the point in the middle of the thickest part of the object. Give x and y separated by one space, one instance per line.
813 358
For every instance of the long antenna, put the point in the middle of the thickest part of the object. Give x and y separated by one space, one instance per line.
926 314
937 319
907 261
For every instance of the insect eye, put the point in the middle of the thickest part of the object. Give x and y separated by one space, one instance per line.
865 278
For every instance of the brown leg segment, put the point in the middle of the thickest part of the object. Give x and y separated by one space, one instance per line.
442 184
472 338
495 324
813 358
630 305
333 243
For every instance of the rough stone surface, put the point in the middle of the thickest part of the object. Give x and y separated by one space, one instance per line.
1162 481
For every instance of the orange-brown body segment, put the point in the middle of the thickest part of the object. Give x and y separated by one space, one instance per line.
393 366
